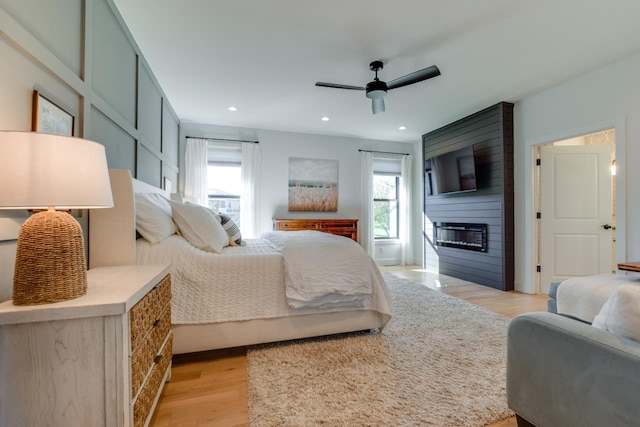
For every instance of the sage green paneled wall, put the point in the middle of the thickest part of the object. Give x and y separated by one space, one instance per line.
80 54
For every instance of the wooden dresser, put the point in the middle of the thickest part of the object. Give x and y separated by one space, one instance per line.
341 227
97 360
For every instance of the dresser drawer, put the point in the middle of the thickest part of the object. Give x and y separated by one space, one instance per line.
143 404
147 311
331 225
142 359
341 227
297 225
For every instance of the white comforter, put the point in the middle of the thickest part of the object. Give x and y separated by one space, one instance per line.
241 283
322 270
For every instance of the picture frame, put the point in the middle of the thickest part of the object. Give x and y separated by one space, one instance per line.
166 184
313 185
48 117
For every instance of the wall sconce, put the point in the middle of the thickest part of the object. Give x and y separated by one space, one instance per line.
614 169
48 172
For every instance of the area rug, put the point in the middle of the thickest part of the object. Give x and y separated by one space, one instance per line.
439 362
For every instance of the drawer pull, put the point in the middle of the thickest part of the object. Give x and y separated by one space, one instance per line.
157 359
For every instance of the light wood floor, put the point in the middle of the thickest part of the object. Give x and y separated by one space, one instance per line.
211 389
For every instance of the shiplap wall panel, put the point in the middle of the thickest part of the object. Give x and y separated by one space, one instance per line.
490 133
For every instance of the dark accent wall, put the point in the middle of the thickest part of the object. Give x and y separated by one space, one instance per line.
490 133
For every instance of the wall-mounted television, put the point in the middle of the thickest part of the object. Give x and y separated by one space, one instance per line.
451 172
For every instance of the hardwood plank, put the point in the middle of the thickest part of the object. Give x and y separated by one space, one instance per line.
210 388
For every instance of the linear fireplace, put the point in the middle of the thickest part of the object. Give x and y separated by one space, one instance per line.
472 237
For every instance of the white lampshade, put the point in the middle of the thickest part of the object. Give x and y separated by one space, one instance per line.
38 171
41 171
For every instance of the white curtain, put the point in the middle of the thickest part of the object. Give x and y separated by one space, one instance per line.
405 211
195 172
249 202
366 228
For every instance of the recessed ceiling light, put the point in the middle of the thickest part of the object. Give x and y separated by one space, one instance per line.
325 119
232 108
402 128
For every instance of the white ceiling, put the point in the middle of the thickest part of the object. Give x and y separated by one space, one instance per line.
264 57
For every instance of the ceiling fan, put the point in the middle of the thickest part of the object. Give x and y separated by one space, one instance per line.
376 90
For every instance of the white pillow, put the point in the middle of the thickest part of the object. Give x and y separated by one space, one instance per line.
153 217
620 314
199 227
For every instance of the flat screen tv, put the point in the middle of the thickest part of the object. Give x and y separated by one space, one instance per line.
451 172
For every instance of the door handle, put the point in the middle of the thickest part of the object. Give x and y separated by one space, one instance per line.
606 226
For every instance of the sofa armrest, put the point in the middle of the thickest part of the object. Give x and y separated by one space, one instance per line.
562 372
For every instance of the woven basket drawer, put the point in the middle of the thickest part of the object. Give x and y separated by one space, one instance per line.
142 358
145 313
142 405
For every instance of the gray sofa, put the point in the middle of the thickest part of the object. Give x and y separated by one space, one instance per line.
562 372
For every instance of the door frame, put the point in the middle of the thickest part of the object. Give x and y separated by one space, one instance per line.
618 124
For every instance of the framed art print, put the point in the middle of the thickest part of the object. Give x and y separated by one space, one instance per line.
313 185
50 118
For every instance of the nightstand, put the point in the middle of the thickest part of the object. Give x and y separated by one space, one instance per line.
97 360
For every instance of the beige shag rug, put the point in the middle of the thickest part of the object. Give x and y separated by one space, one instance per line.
439 362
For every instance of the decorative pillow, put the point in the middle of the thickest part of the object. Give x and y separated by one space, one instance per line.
235 238
153 217
620 314
199 227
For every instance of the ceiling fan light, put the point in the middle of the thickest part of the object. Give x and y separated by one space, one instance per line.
376 94
377 105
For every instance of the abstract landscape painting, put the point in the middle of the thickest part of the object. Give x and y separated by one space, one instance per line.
313 185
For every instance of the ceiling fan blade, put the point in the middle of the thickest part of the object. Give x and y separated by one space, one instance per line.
415 77
339 86
377 104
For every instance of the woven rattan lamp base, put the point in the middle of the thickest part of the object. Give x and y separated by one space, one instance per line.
50 262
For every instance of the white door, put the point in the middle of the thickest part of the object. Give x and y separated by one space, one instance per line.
576 207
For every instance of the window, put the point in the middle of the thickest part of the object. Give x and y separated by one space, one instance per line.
385 205
224 175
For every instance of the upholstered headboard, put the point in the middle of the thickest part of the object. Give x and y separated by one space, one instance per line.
112 232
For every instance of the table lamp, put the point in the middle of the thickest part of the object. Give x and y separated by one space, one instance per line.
48 172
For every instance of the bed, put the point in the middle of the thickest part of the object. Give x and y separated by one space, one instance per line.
253 309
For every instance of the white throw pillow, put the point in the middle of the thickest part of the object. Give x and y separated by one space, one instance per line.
153 217
199 227
620 314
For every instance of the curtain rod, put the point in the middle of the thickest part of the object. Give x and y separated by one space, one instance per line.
385 152
222 139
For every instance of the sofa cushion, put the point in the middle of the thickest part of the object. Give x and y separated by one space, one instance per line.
620 314
583 297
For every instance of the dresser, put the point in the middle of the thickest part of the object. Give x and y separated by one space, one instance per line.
97 360
341 227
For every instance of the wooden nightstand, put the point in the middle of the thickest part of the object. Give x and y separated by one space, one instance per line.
97 360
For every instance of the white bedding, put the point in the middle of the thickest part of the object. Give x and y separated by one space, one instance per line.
322 270
241 283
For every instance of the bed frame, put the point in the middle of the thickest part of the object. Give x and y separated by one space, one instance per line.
112 241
